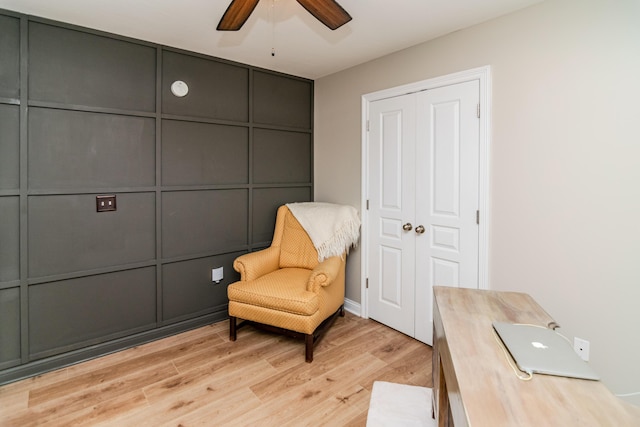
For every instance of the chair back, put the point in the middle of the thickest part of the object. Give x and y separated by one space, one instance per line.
296 248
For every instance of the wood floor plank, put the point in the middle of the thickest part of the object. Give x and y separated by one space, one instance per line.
90 387
359 421
81 400
186 342
200 378
210 379
285 404
301 373
113 371
287 359
32 382
169 401
395 348
103 411
226 411
13 402
412 369
254 345
335 411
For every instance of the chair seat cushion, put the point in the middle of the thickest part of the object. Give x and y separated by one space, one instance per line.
284 290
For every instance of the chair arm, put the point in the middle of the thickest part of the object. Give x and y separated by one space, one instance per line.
256 264
324 273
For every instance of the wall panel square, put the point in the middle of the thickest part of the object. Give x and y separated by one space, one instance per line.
73 313
187 289
66 234
9 238
217 90
73 67
196 222
9 326
9 57
265 205
281 100
202 153
9 146
281 157
72 149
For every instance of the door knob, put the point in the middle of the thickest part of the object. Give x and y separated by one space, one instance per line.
420 229
407 227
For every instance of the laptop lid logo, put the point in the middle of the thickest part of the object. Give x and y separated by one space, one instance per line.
539 345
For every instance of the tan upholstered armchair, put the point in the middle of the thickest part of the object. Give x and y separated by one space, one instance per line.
285 289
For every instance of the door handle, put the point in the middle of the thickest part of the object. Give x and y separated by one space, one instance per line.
420 229
407 227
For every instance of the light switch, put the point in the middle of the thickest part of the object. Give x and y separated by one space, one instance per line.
106 203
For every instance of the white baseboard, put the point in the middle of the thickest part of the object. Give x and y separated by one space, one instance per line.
352 307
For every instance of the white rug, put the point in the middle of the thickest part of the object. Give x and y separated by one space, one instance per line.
394 405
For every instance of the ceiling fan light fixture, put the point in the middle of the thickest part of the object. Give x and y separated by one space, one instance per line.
236 15
329 12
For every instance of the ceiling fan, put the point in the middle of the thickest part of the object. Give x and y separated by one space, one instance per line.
329 12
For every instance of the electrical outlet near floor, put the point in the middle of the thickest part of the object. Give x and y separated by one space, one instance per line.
582 348
217 274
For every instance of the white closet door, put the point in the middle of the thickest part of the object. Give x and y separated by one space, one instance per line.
423 197
392 205
447 155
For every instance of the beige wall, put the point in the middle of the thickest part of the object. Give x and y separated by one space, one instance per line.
564 161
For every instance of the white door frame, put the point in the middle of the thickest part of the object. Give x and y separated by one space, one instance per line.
483 75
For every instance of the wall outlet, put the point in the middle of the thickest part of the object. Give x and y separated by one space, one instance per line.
582 348
217 274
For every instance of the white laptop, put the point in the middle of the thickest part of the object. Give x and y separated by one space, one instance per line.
542 351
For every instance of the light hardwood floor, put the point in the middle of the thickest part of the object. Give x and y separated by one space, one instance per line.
200 378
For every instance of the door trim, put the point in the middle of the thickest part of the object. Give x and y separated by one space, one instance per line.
483 75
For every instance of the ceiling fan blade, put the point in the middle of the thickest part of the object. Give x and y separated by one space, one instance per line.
329 12
236 15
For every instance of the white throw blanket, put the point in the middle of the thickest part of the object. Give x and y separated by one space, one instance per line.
332 228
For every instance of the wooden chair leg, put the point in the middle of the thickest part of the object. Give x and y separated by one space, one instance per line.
342 311
232 328
308 356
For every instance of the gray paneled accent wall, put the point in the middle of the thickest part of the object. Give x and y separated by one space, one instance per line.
98 150
9 57
75 68
10 147
197 181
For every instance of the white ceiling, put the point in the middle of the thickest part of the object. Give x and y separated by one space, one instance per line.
303 46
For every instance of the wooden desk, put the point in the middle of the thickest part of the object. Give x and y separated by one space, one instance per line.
474 385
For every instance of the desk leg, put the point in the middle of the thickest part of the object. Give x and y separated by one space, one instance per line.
440 409
444 409
434 376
